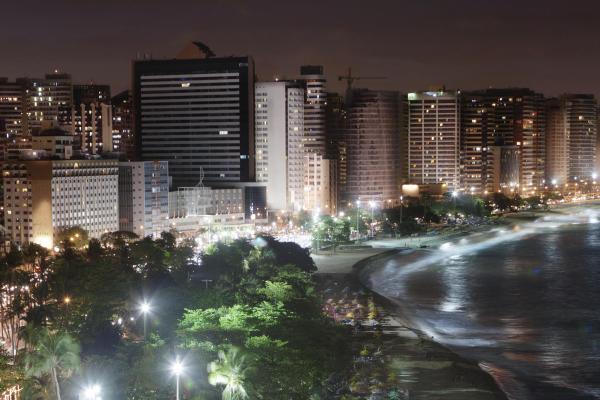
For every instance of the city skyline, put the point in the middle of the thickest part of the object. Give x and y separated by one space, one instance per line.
318 200
433 43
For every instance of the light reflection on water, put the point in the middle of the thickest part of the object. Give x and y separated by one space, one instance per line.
524 302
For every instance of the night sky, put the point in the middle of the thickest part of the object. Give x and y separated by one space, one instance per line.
551 46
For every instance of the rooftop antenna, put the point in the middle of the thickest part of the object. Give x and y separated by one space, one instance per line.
201 178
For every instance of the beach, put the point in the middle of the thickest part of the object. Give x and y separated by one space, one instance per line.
392 358
430 304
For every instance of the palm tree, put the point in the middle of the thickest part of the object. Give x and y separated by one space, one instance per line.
229 370
52 354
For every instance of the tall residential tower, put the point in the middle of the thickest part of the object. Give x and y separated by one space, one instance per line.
371 138
433 138
279 151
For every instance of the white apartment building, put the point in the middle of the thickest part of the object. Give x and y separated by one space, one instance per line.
279 133
320 184
41 197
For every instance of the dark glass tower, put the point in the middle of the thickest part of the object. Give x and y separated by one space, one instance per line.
198 114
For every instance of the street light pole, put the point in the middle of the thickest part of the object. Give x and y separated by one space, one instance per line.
177 370
145 308
401 207
372 204
357 213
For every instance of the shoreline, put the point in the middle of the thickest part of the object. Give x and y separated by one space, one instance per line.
396 322
430 369
398 310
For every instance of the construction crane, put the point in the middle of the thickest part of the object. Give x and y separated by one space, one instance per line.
350 79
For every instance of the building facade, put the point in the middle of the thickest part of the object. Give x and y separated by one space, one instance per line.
433 138
571 138
517 117
198 114
320 184
371 138
144 197
53 143
581 115
48 100
557 143
91 118
122 125
314 83
503 169
42 197
476 139
12 97
279 143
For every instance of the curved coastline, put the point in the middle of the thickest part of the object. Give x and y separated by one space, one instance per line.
403 314
400 316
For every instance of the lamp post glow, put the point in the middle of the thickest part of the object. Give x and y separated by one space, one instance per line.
401 207
177 370
91 393
145 308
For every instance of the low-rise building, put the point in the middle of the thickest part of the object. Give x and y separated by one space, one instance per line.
54 142
41 197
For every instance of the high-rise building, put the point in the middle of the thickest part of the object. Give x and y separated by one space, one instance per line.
557 143
12 95
144 197
41 197
279 151
517 117
336 148
583 125
198 114
319 166
433 138
571 136
371 136
122 122
48 100
476 137
91 118
314 110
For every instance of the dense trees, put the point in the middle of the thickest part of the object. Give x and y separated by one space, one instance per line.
270 313
331 231
243 316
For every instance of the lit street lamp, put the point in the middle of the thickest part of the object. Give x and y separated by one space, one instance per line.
454 196
145 308
372 204
401 207
91 393
177 370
